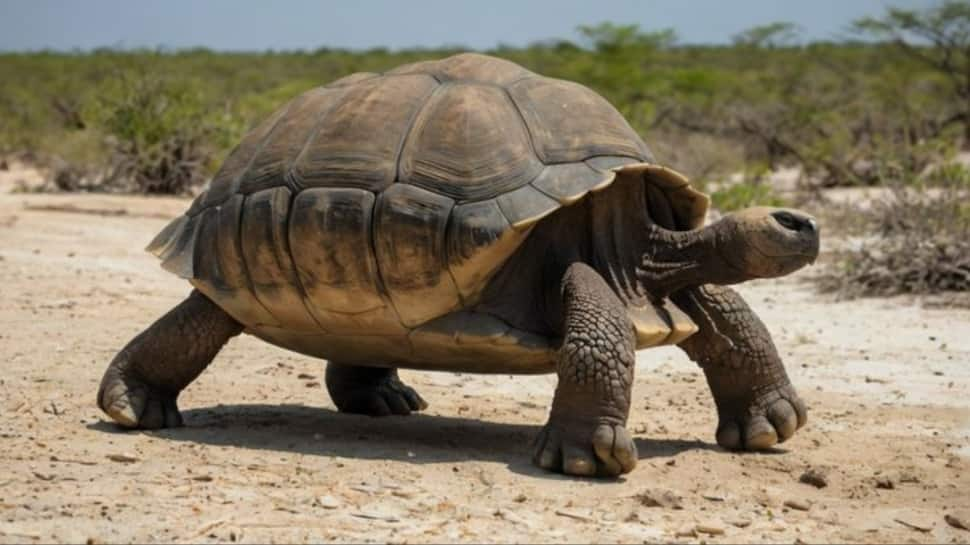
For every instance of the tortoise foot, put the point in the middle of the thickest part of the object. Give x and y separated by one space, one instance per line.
771 416
392 397
371 391
132 403
601 450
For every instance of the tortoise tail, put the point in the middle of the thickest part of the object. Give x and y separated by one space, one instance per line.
175 246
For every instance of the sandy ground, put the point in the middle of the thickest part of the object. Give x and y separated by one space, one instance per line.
264 456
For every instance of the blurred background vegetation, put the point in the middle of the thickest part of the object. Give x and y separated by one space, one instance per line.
766 120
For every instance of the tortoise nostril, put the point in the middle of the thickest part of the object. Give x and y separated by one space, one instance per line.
794 222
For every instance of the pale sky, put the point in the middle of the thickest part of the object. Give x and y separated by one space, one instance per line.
362 24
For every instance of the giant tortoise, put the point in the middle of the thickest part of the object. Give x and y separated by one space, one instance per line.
469 215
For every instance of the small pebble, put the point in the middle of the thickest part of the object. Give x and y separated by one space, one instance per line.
960 521
710 529
797 505
328 502
660 498
885 483
122 458
815 477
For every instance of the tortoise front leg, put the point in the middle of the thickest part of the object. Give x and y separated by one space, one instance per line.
585 434
756 403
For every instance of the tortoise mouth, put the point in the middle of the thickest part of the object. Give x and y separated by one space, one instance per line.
811 255
766 265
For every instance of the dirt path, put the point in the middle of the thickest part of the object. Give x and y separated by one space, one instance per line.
265 457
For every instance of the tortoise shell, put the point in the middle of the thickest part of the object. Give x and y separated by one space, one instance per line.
380 202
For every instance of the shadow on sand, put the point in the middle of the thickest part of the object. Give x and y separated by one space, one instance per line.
416 439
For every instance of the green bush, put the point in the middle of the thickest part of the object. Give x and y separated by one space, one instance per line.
162 136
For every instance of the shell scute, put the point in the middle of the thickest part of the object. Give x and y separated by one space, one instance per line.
266 254
358 143
409 239
468 143
569 122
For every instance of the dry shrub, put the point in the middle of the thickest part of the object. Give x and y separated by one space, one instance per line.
917 242
161 134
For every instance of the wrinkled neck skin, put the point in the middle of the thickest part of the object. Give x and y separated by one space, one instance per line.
674 260
644 262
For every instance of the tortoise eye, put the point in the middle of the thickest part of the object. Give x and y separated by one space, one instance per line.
792 222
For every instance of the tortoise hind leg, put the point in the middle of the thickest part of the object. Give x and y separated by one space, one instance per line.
374 391
142 383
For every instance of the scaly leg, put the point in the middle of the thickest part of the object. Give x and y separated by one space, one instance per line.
142 383
756 404
586 432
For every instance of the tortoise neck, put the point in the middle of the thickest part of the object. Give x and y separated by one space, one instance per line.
673 260
643 261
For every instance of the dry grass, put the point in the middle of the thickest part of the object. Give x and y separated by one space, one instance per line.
917 241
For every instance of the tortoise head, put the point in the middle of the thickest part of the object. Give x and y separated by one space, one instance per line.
753 243
767 242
